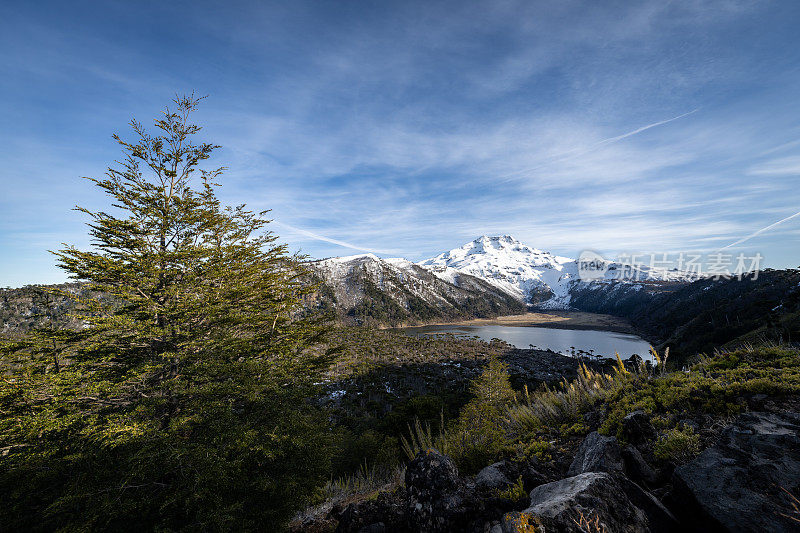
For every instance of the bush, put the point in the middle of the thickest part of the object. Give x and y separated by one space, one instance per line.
515 492
677 445
479 434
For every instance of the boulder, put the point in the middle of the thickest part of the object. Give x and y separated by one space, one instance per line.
592 501
597 453
736 484
637 468
637 429
492 478
434 502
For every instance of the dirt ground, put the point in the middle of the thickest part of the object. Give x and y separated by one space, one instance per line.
552 319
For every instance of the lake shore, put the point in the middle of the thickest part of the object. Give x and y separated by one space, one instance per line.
547 319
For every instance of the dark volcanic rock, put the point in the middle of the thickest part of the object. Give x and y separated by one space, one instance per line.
637 468
636 428
434 503
431 473
736 484
597 453
387 511
492 477
542 366
594 501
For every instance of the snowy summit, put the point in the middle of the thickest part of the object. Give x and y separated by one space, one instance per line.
527 273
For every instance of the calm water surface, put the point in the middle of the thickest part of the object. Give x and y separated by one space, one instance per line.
565 341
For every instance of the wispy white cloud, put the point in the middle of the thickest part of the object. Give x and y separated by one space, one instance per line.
785 166
322 238
408 128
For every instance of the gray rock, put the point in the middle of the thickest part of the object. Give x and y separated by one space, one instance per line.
591 501
387 511
735 485
637 429
431 473
492 478
597 453
637 468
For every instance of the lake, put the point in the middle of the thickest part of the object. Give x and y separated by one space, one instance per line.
564 341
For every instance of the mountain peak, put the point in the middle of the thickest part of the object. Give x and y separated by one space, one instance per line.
504 245
507 263
499 238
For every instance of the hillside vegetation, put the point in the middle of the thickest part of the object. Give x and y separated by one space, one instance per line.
708 314
660 419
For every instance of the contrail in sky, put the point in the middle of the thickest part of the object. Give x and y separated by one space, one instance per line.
762 230
329 240
564 156
644 128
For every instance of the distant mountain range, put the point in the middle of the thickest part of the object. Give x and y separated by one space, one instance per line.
498 275
488 276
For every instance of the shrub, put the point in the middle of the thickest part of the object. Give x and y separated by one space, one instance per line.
677 445
514 492
480 433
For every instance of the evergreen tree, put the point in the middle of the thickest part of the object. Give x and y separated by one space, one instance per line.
180 404
478 436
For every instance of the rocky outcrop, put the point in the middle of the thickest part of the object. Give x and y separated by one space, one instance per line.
637 469
434 502
384 513
492 477
597 453
592 501
736 485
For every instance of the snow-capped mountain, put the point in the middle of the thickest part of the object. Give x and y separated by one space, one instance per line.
538 277
529 274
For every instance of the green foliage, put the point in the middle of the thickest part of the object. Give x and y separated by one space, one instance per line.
180 406
479 433
714 386
514 492
677 445
538 448
492 389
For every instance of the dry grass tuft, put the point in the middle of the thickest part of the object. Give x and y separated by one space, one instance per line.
554 406
794 512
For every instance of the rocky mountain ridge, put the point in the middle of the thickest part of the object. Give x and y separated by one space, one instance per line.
368 289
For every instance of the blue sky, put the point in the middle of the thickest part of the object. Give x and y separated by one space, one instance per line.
409 128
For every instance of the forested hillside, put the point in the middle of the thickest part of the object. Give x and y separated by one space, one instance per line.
708 314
